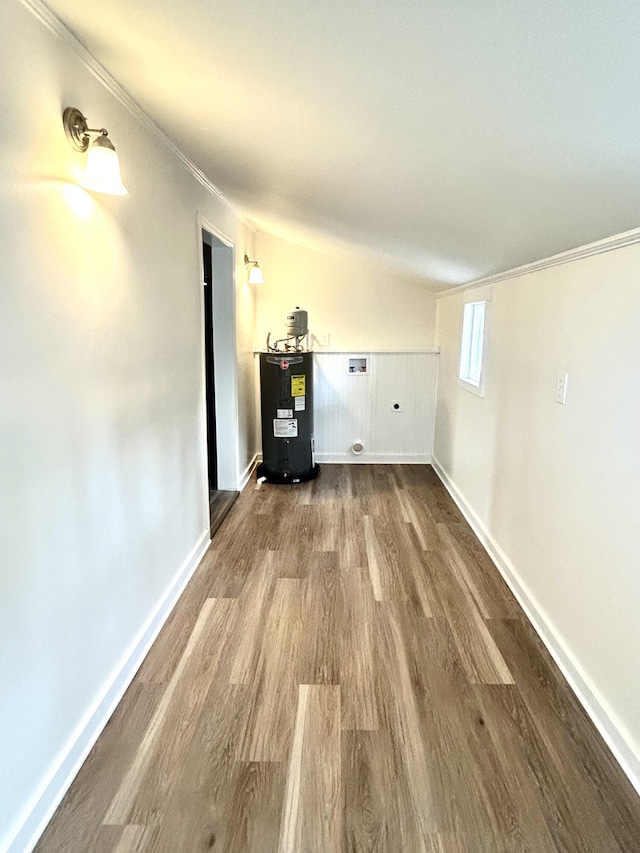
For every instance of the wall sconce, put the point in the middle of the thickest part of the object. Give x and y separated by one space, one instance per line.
254 273
102 170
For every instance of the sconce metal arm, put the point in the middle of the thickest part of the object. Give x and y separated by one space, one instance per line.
78 133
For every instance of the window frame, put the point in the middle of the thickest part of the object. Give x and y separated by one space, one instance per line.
473 351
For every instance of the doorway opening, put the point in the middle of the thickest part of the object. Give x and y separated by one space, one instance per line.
217 263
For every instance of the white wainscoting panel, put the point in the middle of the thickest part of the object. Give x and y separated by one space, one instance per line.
359 407
342 405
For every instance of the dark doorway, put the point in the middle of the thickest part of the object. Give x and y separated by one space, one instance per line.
207 290
220 501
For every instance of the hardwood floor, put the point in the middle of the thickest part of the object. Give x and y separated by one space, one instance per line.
220 502
348 672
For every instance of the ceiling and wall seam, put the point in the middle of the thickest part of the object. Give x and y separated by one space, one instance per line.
599 247
44 14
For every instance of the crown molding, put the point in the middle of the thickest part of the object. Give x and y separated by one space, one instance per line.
46 17
617 241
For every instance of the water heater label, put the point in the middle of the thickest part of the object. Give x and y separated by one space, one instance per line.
285 428
286 413
300 404
298 386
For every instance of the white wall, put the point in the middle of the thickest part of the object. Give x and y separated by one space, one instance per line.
102 447
555 490
358 302
359 407
365 310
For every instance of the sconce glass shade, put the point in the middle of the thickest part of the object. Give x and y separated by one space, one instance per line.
102 170
255 274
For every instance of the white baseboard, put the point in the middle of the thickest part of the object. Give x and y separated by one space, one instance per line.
365 458
588 695
54 786
248 471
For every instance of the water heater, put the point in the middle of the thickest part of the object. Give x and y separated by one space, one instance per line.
286 394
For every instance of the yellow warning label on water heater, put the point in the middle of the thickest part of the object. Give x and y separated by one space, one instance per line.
298 386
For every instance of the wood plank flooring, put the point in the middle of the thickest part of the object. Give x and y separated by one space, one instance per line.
348 672
220 502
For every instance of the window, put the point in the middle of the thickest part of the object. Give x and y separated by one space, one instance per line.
472 351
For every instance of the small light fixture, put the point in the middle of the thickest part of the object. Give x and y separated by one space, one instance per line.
255 273
102 170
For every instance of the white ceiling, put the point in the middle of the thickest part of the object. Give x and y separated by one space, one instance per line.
456 138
